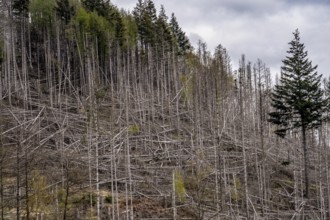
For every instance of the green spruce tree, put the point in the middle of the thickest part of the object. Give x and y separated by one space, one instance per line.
146 16
20 7
64 10
100 6
298 98
179 36
164 37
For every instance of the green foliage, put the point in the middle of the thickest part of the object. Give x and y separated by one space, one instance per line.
40 198
84 199
179 37
65 10
111 14
134 129
197 182
76 4
149 21
21 7
236 190
43 12
131 30
99 6
100 93
327 97
108 199
119 29
98 26
327 87
192 61
179 186
146 17
164 36
93 27
61 193
82 19
298 99
187 90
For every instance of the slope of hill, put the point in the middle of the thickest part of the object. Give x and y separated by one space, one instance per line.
112 115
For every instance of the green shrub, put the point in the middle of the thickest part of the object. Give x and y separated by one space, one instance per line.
100 93
84 199
134 129
179 186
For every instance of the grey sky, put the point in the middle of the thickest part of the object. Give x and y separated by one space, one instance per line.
257 28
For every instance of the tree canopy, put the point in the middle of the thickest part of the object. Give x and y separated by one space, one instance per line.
298 98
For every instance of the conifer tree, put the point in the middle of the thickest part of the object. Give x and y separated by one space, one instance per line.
164 37
130 28
146 17
179 36
110 12
100 6
117 22
298 99
21 7
326 85
64 10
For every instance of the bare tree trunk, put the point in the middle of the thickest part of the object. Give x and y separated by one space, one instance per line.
129 204
90 115
18 199
321 161
173 197
67 190
3 155
306 161
27 201
327 168
261 130
242 118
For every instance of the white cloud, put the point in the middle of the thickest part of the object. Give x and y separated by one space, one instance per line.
258 28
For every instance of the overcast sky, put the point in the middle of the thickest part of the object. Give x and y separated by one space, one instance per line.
257 28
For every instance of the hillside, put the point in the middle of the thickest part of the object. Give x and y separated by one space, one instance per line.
107 114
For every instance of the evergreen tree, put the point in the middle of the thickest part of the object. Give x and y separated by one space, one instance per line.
100 6
298 99
151 12
111 13
326 84
179 36
150 19
119 28
138 12
138 16
146 17
327 87
21 7
164 38
64 10
130 28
